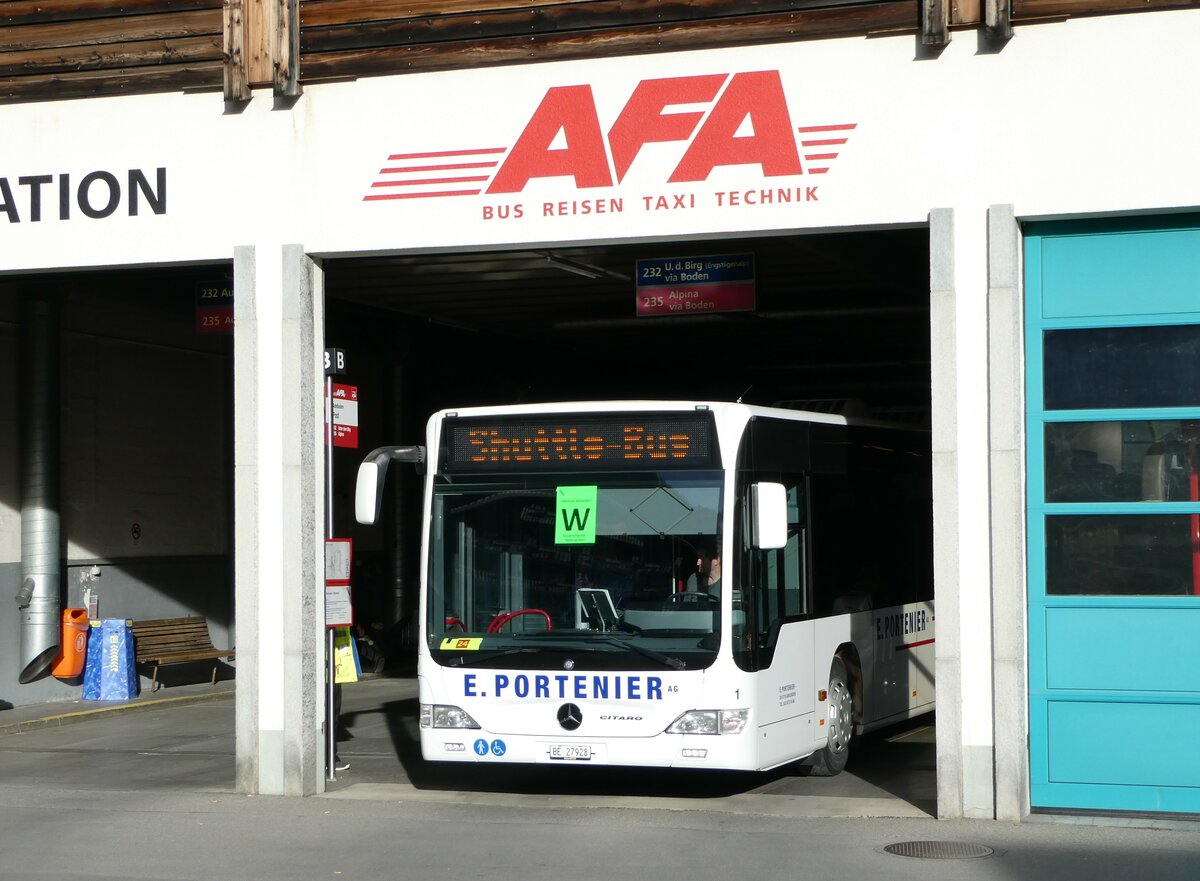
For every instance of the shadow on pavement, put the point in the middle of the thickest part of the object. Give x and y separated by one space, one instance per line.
898 763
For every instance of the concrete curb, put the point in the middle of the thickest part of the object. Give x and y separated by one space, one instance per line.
92 712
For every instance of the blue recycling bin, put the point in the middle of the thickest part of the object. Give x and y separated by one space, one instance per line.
110 672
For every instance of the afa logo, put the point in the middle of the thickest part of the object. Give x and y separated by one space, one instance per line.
739 119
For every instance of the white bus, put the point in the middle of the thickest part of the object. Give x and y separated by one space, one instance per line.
667 584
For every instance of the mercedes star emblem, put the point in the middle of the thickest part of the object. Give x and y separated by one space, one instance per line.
570 717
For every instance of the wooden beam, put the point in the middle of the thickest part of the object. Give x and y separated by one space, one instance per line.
600 16
133 81
143 53
236 76
935 23
997 19
898 16
97 32
965 12
38 11
343 11
256 15
286 57
546 15
1022 9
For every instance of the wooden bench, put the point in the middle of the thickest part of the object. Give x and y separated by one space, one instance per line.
162 641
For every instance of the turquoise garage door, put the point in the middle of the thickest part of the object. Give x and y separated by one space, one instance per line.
1113 396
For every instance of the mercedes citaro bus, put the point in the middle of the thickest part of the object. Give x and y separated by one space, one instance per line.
667 584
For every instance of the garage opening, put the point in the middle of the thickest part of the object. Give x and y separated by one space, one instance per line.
840 322
119 453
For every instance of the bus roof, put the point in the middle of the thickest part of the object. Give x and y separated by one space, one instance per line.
635 406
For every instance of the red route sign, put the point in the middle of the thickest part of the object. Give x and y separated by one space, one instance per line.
345 416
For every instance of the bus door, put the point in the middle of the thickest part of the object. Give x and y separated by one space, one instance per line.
777 640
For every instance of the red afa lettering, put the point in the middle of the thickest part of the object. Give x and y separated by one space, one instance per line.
759 97
643 121
754 97
572 111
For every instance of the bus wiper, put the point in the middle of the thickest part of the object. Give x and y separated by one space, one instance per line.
464 661
665 660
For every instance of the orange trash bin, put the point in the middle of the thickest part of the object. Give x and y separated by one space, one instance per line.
72 645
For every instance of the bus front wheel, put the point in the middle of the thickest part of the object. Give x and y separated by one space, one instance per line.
831 759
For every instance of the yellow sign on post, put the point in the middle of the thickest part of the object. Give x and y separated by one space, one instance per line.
345 656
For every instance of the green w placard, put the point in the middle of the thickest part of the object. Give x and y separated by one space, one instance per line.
575 515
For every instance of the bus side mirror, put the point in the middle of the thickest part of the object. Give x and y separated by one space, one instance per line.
368 491
768 503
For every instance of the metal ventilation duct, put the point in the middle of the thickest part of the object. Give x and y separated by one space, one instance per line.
41 569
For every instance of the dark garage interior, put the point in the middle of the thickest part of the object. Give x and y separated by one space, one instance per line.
837 316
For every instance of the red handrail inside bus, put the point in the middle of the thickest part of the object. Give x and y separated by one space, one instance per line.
504 617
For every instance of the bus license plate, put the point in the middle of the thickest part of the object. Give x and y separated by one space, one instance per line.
570 752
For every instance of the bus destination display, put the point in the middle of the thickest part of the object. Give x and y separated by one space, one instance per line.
561 442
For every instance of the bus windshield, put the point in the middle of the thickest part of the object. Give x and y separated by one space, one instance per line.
588 571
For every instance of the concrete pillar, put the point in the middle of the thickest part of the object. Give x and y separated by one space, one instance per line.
962 565
279 547
1006 430
943 345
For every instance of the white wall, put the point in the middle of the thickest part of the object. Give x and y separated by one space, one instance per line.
1070 117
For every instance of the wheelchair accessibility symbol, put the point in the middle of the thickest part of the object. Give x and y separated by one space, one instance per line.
481 747
498 747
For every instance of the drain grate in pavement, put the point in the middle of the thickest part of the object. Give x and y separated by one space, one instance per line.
939 850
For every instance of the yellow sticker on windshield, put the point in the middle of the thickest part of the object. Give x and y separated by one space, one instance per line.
461 644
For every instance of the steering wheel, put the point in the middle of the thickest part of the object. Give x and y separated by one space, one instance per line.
708 601
504 617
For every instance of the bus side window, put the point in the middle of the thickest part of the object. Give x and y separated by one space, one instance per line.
795 598
779 575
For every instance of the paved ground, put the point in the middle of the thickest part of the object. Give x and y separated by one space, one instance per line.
49 835
144 792
183 739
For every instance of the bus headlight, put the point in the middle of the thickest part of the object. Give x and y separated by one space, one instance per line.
443 716
710 722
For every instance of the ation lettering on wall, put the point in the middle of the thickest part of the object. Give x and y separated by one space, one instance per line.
97 195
